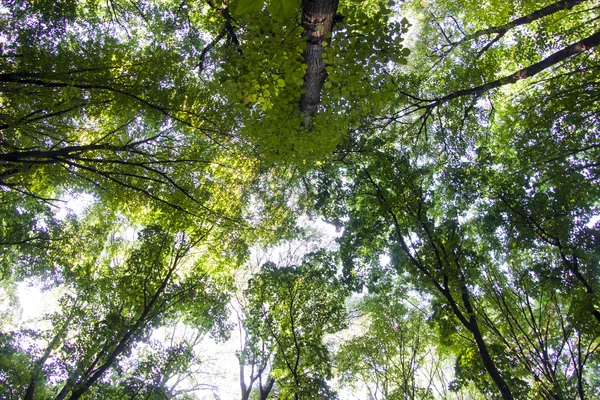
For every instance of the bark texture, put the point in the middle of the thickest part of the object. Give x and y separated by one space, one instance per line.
318 18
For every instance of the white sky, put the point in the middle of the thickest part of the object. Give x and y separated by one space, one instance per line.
76 204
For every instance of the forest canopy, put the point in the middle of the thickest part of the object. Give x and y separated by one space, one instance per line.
171 173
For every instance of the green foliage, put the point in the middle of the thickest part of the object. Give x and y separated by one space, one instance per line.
87 112
14 366
394 350
466 206
117 301
282 9
279 9
290 310
245 7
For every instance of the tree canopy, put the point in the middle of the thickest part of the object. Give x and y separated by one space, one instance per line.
149 150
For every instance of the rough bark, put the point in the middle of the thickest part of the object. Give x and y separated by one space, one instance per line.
318 18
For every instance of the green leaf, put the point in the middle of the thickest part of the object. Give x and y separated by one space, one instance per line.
248 7
284 9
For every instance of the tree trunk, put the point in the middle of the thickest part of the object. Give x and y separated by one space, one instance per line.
37 372
484 353
318 17
245 390
468 320
264 392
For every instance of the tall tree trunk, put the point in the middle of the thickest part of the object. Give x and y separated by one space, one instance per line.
318 17
37 372
468 319
484 353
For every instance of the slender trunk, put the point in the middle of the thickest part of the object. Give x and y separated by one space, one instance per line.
245 390
37 368
556 58
579 370
264 392
124 342
487 360
537 14
471 324
65 390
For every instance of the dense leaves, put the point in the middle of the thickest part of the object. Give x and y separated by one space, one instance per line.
290 310
149 149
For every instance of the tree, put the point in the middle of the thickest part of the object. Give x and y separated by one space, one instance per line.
163 369
423 201
553 347
265 81
112 308
85 109
290 310
467 157
393 355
